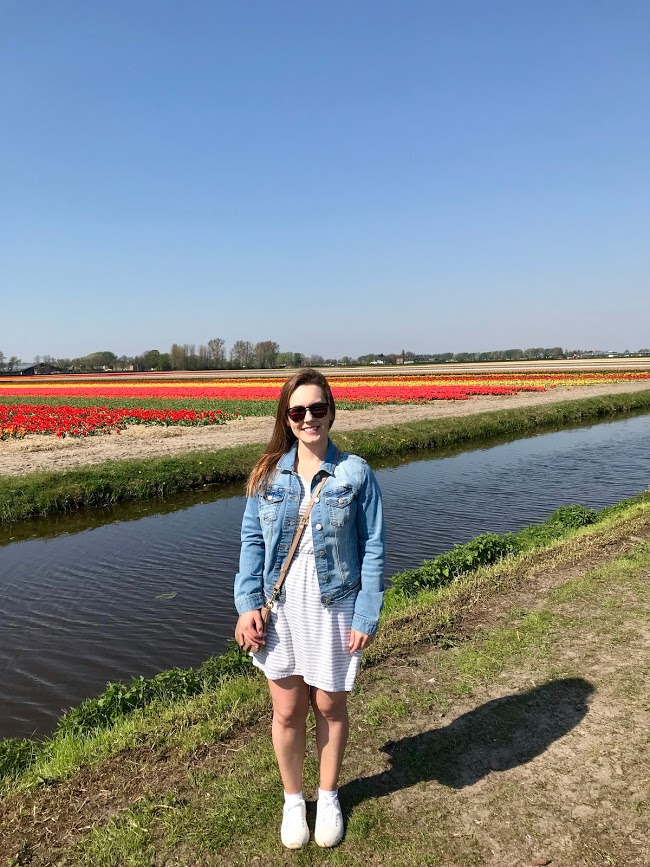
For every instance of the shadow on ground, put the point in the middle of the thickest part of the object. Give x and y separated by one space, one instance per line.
496 736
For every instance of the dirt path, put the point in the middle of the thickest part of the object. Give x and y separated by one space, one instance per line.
47 453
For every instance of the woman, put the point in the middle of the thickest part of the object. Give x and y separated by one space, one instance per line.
328 608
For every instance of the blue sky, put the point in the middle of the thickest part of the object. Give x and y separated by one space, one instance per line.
341 177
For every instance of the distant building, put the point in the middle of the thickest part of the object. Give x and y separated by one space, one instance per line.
31 369
19 370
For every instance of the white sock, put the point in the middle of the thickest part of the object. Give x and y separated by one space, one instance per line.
292 800
328 796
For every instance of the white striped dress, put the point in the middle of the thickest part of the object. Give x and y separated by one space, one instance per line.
304 637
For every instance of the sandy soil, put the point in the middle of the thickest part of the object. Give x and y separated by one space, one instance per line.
37 452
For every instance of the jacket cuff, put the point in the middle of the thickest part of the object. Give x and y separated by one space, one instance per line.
364 624
249 603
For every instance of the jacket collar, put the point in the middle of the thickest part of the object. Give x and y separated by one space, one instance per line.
288 461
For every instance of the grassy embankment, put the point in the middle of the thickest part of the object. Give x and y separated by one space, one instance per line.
42 494
181 798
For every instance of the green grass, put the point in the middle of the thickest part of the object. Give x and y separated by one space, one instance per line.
41 494
183 724
480 662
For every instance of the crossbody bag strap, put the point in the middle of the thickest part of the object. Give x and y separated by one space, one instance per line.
302 523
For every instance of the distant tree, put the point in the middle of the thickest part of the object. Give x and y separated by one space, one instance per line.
242 354
2 361
150 360
266 352
177 357
217 347
191 357
203 358
99 360
13 362
183 357
289 359
284 359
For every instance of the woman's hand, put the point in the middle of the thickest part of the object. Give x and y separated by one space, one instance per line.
250 629
359 641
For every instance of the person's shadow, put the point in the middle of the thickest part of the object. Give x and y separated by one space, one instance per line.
496 736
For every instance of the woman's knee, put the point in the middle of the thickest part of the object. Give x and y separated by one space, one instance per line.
331 705
290 703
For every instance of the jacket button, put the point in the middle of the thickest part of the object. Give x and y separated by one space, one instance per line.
317 500
321 553
319 526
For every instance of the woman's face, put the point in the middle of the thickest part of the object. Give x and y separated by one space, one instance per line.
310 431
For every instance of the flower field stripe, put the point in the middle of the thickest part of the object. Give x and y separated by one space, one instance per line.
16 421
394 393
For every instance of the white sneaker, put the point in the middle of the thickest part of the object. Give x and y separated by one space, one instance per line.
294 832
329 823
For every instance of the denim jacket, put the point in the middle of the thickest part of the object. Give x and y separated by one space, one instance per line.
347 526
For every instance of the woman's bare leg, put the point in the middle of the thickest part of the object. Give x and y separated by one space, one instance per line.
290 697
332 729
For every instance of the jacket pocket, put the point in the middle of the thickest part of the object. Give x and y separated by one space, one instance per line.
269 504
339 504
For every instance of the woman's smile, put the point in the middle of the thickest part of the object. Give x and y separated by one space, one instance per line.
310 430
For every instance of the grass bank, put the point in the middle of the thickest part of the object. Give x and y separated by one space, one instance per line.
42 494
525 677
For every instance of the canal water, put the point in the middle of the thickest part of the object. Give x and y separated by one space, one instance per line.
145 588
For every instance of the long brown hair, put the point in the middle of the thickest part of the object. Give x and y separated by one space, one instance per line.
283 437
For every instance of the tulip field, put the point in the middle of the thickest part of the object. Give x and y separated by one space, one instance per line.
16 421
80 406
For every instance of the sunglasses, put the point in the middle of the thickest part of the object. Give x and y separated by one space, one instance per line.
298 413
